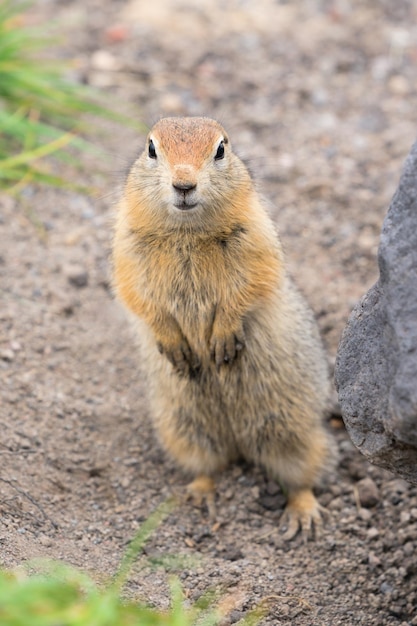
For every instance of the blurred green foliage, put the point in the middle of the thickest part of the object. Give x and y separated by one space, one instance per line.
41 111
49 593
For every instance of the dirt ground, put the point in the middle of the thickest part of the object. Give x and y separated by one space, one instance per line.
319 98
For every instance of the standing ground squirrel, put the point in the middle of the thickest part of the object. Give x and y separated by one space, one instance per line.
233 357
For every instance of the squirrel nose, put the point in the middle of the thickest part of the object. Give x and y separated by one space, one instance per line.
184 185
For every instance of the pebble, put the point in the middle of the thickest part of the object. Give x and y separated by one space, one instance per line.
368 492
7 202
232 554
272 489
67 309
105 61
229 494
101 80
271 503
365 514
398 485
77 276
7 355
356 469
398 85
117 33
386 588
235 616
255 492
372 533
373 560
405 517
171 103
45 541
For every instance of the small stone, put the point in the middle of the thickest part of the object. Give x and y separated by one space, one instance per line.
235 616
271 503
77 276
336 504
372 533
67 309
405 517
7 355
272 489
386 588
368 492
398 485
102 80
117 33
398 85
7 202
45 541
104 61
380 68
232 554
255 492
373 560
284 609
365 514
356 469
171 103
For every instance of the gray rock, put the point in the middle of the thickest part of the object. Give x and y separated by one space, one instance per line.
376 366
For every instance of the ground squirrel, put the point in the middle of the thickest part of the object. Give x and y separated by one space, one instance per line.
233 358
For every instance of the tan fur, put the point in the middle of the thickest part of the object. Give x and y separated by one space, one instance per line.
231 350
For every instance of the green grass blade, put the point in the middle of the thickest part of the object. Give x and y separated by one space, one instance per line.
139 541
41 113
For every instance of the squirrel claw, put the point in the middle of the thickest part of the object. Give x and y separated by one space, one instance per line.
184 362
225 350
202 491
304 513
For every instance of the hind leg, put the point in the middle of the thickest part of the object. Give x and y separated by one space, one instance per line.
202 490
302 512
202 462
298 470
183 413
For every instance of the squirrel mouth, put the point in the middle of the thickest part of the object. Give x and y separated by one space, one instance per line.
184 206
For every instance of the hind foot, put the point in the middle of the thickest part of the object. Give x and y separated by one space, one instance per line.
304 513
202 490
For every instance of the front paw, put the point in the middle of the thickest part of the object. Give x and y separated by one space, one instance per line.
184 362
225 349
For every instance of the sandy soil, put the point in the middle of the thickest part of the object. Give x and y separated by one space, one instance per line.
319 98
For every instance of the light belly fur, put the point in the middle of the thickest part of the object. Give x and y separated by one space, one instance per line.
266 401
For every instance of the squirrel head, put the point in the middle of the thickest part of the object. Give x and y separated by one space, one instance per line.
188 175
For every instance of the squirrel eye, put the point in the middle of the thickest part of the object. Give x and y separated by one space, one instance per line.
151 150
220 151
